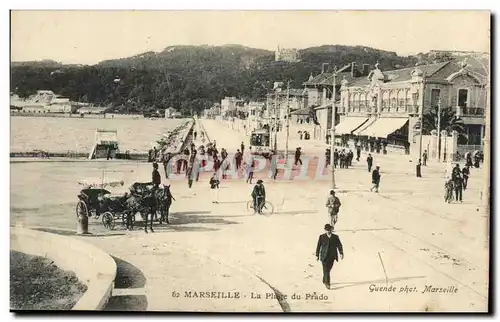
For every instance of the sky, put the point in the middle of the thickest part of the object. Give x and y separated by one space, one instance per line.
87 37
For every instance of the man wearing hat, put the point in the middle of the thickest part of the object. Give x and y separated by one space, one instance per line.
375 178
298 153
156 178
259 197
327 250
333 204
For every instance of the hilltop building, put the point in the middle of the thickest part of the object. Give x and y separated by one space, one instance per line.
290 55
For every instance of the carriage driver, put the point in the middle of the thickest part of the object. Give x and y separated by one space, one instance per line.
156 178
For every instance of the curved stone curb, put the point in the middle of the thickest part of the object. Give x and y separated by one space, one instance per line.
92 266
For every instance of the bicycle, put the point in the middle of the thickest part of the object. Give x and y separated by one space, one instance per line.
267 208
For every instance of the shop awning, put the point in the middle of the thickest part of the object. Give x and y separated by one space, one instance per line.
302 111
349 124
363 127
384 126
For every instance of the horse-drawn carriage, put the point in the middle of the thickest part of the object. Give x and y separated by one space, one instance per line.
96 201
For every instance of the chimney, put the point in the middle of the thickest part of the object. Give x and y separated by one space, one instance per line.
366 69
323 67
354 70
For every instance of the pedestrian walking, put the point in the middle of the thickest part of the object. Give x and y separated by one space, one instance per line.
335 158
424 157
298 153
238 156
369 162
358 152
195 134
468 159
458 184
375 178
242 146
190 175
327 250
419 168
448 190
214 185
342 159
477 158
456 172
273 168
333 205
250 168
155 176
465 175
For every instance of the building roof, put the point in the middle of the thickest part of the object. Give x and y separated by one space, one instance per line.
400 75
322 79
293 92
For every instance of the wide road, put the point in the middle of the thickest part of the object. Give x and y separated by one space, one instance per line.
405 237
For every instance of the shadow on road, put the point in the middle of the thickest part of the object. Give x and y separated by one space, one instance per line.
196 212
127 303
295 212
127 277
174 228
64 232
190 218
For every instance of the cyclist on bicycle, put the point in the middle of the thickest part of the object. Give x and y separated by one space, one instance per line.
259 197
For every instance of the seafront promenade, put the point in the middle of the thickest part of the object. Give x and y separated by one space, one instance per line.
404 238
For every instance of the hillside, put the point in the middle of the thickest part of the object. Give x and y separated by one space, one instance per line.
187 77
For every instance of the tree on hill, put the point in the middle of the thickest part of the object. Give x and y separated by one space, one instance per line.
188 77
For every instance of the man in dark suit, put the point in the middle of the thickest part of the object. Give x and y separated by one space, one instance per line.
326 250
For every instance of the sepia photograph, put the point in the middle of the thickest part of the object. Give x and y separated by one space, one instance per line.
250 161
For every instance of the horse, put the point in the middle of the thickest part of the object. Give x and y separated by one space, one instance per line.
144 201
164 198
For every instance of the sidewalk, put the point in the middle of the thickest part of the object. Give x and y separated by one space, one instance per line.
222 247
229 138
224 136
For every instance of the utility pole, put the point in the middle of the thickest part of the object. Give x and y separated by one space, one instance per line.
287 118
421 117
439 129
332 129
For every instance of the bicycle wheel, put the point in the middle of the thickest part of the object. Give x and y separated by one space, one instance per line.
250 206
268 209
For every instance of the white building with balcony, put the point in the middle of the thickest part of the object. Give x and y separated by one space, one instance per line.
388 105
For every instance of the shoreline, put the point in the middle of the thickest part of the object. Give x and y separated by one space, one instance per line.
110 116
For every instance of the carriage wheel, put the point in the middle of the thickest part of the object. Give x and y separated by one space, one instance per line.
81 209
108 220
268 209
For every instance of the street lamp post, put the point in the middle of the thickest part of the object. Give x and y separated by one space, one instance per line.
332 129
421 117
